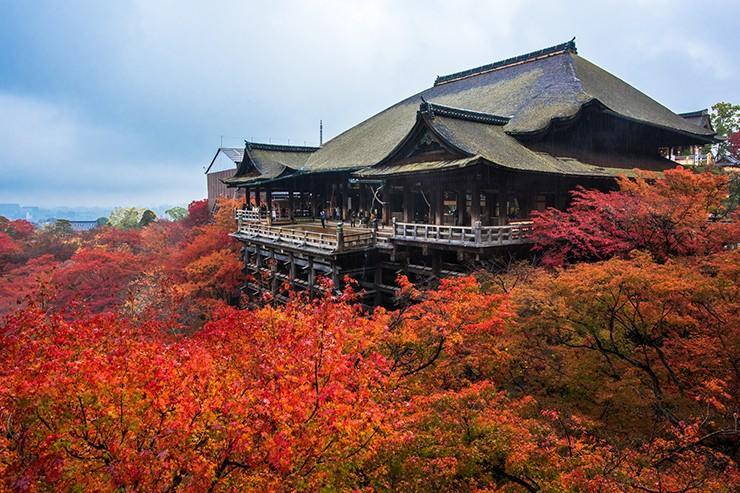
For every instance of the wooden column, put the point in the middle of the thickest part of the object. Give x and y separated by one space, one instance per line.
460 206
387 205
344 188
291 267
408 204
311 276
377 282
363 197
257 196
291 205
273 273
439 205
475 202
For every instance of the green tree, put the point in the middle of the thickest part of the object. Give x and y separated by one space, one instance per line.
147 217
125 217
726 121
177 213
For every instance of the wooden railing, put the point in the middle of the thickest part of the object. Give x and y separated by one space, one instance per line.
335 242
476 235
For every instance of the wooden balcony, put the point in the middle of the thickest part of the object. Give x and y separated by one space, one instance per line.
310 236
465 236
338 238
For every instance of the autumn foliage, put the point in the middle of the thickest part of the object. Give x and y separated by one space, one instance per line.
125 369
682 213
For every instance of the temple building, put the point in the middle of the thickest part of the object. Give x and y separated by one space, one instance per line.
449 176
222 166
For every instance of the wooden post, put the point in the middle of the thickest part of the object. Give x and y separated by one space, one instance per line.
408 204
344 189
268 199
258 258
461 207
475 202
311 277
377 281
291 268
436 262
477 231
363 198
439 205
245 258
387 205
257 196
336 283
273 273
340 236
291 205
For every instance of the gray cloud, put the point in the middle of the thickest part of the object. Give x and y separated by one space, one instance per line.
115 102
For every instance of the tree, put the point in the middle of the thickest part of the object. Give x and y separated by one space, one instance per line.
677 214
726 121
198 213
147 217
125 217
177 213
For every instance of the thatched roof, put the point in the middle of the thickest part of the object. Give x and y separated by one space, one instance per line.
479 138
699 118
530 91
265 162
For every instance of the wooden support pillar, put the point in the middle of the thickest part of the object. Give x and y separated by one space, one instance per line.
273 273
291 268
436 262
344 187
408 204
475 203
257 201
336 283
363 197
311 277
439 205
258 259
268 199
387 205
377 282
291 205
461 207
245 258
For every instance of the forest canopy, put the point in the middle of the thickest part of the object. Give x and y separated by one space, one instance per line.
609 362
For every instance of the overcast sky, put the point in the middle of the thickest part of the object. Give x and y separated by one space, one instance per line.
124 103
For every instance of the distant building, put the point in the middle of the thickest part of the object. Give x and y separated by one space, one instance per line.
691 155
223 165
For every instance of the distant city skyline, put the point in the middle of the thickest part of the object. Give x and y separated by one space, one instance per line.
125 103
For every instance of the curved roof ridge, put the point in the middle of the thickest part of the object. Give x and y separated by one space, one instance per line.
279 147
569 46
433 109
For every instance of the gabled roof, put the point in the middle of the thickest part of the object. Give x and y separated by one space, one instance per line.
479 138
265 162
233 153
533 90
699 118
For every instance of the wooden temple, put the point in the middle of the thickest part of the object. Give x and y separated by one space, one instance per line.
447 177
